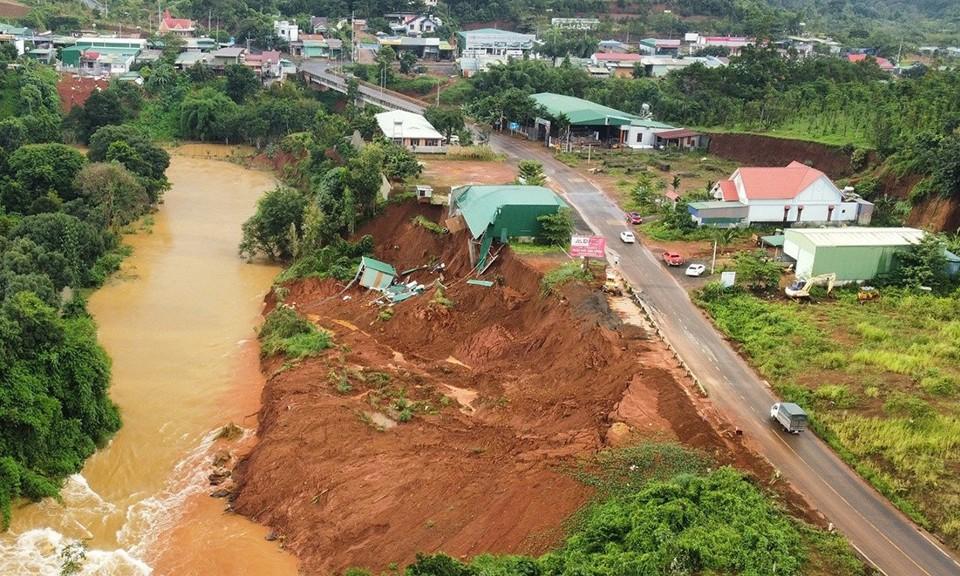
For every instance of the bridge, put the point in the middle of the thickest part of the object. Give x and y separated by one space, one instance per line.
323 75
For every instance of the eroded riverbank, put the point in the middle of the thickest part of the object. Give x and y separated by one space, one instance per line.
178 323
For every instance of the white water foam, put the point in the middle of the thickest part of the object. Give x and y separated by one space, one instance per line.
37 552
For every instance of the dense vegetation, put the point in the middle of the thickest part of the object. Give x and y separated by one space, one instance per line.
60 212
662 510
886 398
911 123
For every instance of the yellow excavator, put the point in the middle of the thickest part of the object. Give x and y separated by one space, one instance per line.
801 287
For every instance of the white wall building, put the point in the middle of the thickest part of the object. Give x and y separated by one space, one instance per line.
412 131
287 30
792 195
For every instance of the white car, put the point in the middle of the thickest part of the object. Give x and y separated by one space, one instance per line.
628 237
695 270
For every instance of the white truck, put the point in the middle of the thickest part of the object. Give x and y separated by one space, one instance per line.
790 416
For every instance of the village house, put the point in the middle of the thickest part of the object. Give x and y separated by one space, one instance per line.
478 49
575 23
178 26
228 56
319 24
668 46
286 30
734 44
882 62
795 194
412 131
424 48
619 63
265 64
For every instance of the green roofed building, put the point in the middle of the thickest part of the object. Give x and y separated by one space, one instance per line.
375 275
852 253
594 123
502 212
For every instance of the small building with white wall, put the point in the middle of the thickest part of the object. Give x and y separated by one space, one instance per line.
853 253
412 131
286 30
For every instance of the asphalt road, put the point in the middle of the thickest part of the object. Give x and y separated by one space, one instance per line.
887 538
881 533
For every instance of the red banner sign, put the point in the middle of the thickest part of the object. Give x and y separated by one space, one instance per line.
588 246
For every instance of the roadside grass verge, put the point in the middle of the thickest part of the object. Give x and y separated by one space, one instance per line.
527 249
561 275
881 382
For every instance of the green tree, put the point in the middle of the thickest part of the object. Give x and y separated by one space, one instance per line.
408 61
447 120
645 192
42 168
202 114
385 59
757 270
128 146
923 264
556 228
268 231
399 163
530 172
113 192
241 82
101 108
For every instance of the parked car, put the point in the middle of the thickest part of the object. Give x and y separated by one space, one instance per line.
627 237
634 218
672 258
790 416
695 270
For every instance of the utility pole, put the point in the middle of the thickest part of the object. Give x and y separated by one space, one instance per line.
713 264
438 92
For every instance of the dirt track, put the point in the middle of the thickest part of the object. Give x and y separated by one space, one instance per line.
513 387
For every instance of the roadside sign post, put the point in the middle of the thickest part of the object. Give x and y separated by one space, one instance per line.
588 247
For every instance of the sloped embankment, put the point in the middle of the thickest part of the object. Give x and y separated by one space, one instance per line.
454 428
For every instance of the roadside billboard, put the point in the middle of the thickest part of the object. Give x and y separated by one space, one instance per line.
588 246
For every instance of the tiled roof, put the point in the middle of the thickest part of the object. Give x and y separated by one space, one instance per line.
778 183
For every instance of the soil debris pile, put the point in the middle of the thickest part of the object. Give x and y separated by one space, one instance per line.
452 426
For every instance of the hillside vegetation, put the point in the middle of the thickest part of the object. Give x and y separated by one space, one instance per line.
60 215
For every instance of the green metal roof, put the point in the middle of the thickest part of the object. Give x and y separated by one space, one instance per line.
377 265
775 240
125 50
582 112
481 204
950 256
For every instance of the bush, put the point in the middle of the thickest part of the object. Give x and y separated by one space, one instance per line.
287 332
424 222
558 277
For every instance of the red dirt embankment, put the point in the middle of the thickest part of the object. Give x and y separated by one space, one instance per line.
756 150
511 388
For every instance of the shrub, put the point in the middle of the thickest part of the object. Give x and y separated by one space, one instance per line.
424 222
835 394
871 332
558 277
939 384
287 332
832 360
440 298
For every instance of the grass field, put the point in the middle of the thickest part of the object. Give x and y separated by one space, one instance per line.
616 170
802 130
881 380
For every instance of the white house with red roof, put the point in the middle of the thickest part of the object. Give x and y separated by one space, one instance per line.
795 194
882 62
178 26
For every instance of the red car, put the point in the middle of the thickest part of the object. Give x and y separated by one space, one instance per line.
634 218
673 259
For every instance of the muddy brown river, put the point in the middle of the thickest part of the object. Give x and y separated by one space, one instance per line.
178 322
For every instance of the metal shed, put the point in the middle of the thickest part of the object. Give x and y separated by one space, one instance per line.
502 212
853 253
376 275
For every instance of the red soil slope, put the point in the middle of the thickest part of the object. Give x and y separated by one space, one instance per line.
519 386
